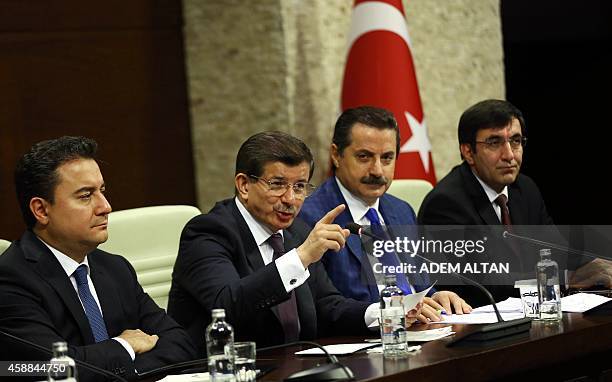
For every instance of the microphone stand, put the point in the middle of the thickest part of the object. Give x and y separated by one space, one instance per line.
85 365
484 332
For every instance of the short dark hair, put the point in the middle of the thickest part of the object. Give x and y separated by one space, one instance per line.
370 116
490 113
272 146
36 172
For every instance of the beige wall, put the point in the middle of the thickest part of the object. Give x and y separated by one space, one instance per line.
278 64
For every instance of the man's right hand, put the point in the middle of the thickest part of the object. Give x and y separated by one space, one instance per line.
140 341
323 237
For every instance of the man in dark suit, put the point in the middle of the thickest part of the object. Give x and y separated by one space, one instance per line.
487 189
364 150
56 286
251 257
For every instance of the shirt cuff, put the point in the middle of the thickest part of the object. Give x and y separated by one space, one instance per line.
371 315
127 347
291 270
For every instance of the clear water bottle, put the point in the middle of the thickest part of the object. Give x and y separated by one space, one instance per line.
220 348
61 367
392 320
549 292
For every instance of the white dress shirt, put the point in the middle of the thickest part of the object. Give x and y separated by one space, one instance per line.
492 195
289 265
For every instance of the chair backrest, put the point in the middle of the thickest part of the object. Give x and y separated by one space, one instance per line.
4 244
412 191
149 238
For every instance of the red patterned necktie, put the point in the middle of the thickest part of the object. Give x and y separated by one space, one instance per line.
501 201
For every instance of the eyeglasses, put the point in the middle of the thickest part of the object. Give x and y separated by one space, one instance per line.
279 187
495 143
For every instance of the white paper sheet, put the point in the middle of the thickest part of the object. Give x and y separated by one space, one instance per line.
195 377
581 302
479 318
338 349
509 305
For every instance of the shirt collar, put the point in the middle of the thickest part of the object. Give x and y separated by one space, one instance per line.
68 264
356 206
260 232
491 193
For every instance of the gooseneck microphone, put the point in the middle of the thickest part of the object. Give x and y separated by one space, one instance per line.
510 235
332 371
485 331
83 364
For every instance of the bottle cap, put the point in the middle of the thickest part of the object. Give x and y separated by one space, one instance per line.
218 313
60 346
545 252
390 279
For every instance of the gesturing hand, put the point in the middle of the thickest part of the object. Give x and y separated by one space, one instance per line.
323 237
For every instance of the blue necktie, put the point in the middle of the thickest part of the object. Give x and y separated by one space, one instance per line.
94 316
388 258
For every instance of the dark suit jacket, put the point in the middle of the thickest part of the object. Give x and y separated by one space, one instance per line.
39 303
219 266
459 199
350 269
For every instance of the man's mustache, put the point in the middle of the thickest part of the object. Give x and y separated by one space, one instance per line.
285 209
376 180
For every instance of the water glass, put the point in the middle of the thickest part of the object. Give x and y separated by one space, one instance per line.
244 361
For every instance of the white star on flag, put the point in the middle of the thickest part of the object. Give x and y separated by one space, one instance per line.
419 141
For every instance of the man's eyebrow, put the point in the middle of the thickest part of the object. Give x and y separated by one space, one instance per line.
89 189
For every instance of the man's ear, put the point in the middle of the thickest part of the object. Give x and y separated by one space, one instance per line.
335 155
241 181
467 152
39 207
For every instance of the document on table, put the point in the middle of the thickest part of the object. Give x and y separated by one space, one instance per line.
338 349
194 377
479 318
581 302
408 301
509 305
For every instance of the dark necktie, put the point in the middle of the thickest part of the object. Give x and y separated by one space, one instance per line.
502 202
92 311
287 310
388 258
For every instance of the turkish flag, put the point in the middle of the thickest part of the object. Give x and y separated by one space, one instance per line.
379 72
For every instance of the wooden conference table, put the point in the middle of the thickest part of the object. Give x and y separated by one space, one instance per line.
578 346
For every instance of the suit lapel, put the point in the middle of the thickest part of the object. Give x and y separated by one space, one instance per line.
251 249
515 201
51 271
112 309
478 195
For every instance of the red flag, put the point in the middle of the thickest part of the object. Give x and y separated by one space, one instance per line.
379 72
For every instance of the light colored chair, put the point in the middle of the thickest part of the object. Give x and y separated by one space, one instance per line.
149 238
412 191
4 244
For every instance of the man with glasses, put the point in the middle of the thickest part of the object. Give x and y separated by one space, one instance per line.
251 257
487 188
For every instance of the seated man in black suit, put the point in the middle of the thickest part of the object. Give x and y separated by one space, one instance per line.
56 286
231 257
487 188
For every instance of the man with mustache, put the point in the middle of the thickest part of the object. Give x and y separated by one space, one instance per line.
364 150
251 257
56 286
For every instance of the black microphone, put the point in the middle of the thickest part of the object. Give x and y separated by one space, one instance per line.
332 371
485 331
85 365
507 235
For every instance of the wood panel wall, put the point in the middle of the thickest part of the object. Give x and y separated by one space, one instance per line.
110 70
